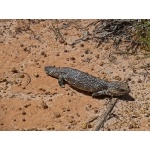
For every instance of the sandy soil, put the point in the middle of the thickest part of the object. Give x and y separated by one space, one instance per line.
26 47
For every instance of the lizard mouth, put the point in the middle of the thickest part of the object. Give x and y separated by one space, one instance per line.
51 71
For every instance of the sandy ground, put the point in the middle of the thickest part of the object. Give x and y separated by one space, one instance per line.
26 47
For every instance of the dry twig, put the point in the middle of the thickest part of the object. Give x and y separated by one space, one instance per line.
57 33
103 118
29 78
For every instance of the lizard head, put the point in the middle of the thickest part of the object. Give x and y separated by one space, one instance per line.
51 71
118 88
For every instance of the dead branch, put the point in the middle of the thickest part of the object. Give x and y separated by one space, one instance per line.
57 33
93 23
106 30
102 119
80 40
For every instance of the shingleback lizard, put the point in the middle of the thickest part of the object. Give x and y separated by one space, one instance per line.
87 82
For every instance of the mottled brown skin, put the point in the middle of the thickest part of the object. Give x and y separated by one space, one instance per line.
87 82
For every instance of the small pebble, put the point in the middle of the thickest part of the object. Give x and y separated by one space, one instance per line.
57 54
87 51
129 79
84 125
130 126
69 127
23 120
97 56
106 48
72 58
61 41
70 120
68 109
23 113
78 115
57 115
36 74
147 115
66 33
74 123
65 51
21 45
101 63
19 108
117 78
95 111
139 80
14 70
82 45
3 80
49 128
42 89
65 43
124 70
89 125
21 75
44 105
42 53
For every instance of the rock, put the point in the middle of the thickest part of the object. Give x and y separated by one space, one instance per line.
23 113
87 51
57 115
147 115
23 87
117 78
44 105
101 63
23 120
21 75
70 120
42 89
89 125
14 70
61 41
72 58
36 74
131 126
84 125
82 45
139 80
44 54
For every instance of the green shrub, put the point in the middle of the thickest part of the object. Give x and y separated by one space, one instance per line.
142 28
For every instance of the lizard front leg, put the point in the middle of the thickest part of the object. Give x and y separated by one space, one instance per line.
61 81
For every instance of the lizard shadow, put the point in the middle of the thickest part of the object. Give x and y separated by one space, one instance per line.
125 97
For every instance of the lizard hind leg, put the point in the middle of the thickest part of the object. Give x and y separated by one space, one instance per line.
61 81
99 93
